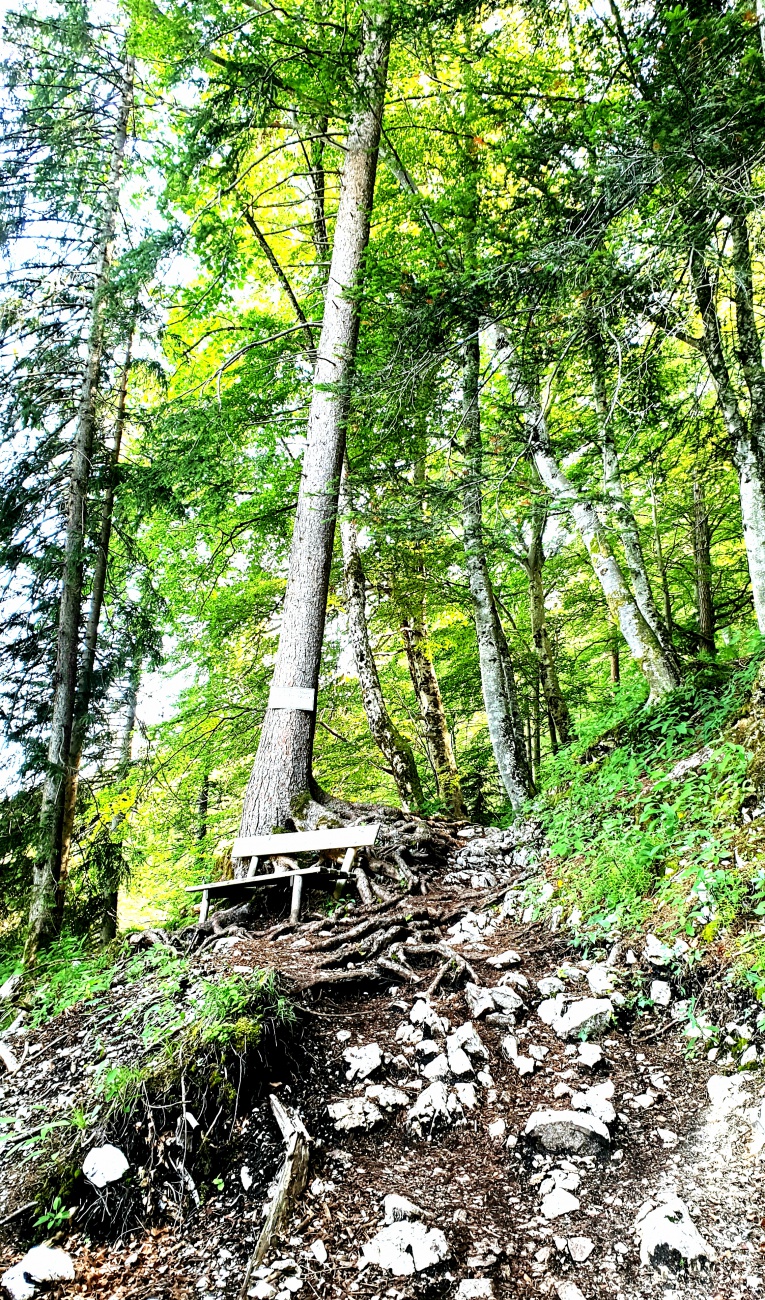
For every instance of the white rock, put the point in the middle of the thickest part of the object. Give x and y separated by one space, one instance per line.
569 1178
422 1013
426 1047
479 1000
104 1165
504 959
467 1038
552 1009
669 1138
559 1202
524 1065
354 1112
584 1017
319 1251
466 1094
656 952
566 1130
343 1035
601 979
262 1290
506 999
362 1061
580 1248
661 993
590 1054
669 1238
431 1104
397 1208
597 1100
749 1057
13 982
459 1061
568 1291
509 1046
385 1097
437 1067
497 1128
40 1264
405 1248
538 1053
550 985
16 1282
245 1177
726 1093
475 1288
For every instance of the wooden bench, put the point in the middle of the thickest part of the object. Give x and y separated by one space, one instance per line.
326 843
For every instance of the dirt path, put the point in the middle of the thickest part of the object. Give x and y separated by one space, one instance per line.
437 1113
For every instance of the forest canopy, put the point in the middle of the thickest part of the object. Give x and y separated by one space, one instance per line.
409 357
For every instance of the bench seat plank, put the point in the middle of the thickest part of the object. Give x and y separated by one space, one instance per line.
335 837
273 878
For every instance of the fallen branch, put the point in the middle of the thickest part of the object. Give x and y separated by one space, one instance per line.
292 1180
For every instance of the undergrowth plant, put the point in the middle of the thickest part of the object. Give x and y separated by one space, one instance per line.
635 833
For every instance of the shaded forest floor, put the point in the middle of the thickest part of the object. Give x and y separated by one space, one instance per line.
185 1219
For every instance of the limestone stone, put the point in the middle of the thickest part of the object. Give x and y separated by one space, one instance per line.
561 1131
105 1164
559 1202
354 1112
669 1239
406 1247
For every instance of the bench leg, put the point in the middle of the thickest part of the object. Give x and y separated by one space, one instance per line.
204 906
345 871
297 898
251 870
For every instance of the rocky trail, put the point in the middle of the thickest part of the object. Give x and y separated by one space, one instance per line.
486 1112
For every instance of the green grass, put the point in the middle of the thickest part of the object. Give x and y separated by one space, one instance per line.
634 846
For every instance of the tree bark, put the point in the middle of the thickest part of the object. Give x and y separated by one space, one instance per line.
112 887
554 698
281 772
423 674
396 750
44 908
87 666
666 594
497 676
703 567
613 654
746 450
622 517
645 649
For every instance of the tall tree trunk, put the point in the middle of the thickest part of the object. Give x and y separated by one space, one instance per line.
47 869
112 886
87 666
423 674
744 440
613 654
622 517
703 566
497 676
666 594
658 671
554 698
537 763
203 804
396 750
281 772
